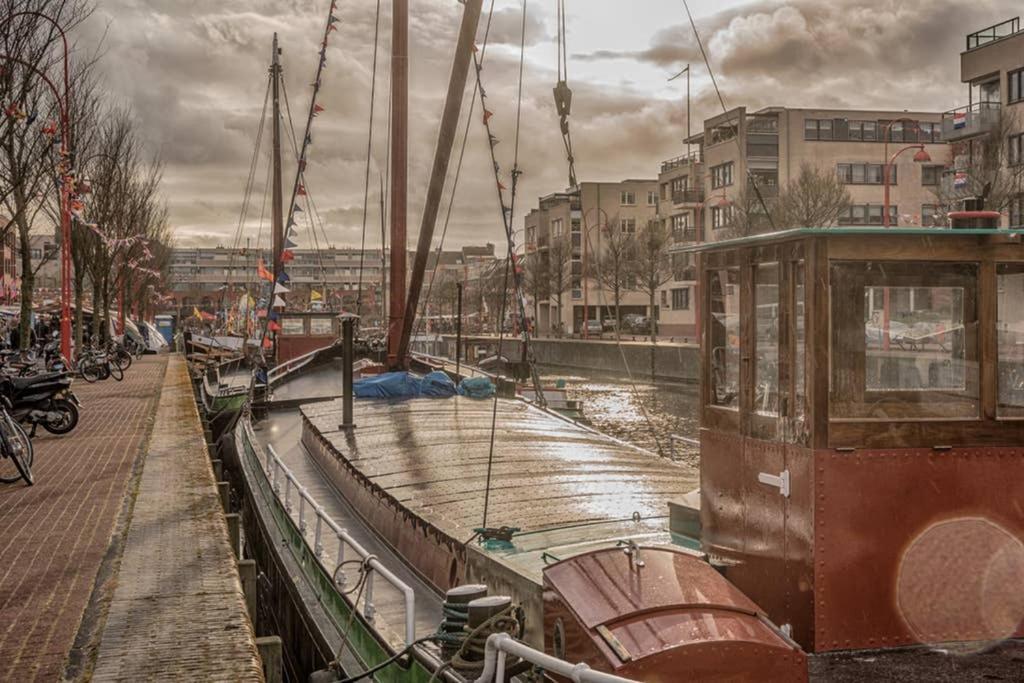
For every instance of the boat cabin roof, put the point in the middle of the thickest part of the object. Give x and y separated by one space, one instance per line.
864 337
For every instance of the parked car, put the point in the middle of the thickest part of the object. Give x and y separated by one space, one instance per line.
609 324
594 328
642 325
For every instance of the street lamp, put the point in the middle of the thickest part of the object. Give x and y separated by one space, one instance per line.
65 188
921 156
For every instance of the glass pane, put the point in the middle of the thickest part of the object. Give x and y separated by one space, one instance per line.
1010 328
799 343
904 340
293 326
766 369
723 287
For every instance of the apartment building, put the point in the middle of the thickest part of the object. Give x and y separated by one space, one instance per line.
992 66
583 222
700 191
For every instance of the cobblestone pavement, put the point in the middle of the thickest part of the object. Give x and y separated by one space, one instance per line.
54 535
178 612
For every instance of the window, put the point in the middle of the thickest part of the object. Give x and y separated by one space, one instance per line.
864 174
681 183
556 227
1010 326
766 339
1017 211
680 222
862 131
903 340
867 214
664 190
931 216
293 326
810 129
321 327
627 225
1014 149
721 216
627 198
825 129
721 175
724 321
1015 83
929 132
652 198
664 298
931 175
681 299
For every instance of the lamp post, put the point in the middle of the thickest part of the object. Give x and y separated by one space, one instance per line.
65 188
921 156
586 240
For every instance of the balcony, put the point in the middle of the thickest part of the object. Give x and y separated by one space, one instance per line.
993 33
684 236
969 121
688 196
694 157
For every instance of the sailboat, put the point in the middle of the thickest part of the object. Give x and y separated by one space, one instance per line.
449 538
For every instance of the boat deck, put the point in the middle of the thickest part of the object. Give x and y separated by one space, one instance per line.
561 484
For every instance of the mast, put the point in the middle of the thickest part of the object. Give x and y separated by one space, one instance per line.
277 206
442 155
399 173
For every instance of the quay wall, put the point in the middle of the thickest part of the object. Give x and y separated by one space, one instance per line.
664 360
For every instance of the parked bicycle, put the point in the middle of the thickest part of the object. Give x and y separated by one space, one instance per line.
16 453
94 365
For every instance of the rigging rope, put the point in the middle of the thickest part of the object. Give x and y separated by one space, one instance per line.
369 157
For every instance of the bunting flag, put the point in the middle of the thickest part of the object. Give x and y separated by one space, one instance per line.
494 141
278 302
273 315
332 24
196 313
487 116
501 186
283 278
263 273
297 209
273 326
317 109
309 140
287 256
315 295
289 243
281 289
302 162
267 343
301 191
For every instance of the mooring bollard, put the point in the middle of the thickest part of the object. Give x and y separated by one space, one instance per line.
247 575
234 521
271 655
224 490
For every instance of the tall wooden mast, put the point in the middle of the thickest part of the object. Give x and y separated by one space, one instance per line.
399 172
277 206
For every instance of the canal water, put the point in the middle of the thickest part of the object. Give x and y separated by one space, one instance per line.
644 413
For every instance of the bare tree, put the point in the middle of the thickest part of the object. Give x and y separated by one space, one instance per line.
988 169
612 269
536 281
816 199
652 267
559 272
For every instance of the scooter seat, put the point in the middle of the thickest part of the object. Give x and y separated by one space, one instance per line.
20 383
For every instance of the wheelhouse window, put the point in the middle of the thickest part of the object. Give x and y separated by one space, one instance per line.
1010 334
724 298
766 339
904 341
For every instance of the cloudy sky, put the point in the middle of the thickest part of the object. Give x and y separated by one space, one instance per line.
194 74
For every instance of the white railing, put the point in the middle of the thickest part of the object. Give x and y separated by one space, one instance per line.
501 645
284 483
294 364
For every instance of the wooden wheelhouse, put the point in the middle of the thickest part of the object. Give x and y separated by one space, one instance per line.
862 441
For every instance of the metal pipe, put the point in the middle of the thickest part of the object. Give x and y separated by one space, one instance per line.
348 333
442 155
399 172
500 644
458 330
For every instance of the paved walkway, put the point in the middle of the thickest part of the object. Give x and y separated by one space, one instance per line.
178 612
54 535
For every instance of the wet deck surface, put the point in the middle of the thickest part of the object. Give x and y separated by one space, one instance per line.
432 456
178 610
282 430
324 381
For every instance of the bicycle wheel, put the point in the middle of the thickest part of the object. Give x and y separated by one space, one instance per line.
90 371
122 359
115 371
16 451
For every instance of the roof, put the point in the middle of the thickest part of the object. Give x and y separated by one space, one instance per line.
795 233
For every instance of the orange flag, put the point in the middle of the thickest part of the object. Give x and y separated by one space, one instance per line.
263 273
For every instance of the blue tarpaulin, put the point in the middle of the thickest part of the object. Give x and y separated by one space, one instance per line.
388 385
437 385
476 387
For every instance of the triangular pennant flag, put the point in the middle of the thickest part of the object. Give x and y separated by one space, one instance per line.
302 165
283 277
494 141
267 344
274 315
301 191
333 19
263 273
309 139
287 256
297 209
501 186
317 109
280 289
314 295
289 244
487 116
31 118
278 302
273 326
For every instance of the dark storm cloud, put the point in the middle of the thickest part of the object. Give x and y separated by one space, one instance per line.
194 73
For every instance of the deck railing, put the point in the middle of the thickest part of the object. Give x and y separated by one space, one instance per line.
283 369
290 492
501 645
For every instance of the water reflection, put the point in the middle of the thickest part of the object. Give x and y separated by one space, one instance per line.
612 405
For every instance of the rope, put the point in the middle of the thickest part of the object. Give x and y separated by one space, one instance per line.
369 156
475 644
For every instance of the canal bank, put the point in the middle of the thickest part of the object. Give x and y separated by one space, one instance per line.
640 359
